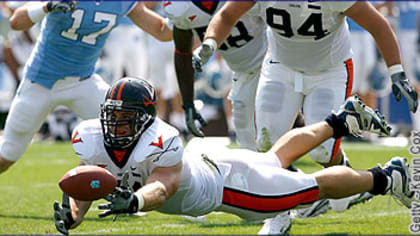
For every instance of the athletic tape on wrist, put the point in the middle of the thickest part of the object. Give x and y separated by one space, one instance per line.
36 12
140 200
395 69
211 42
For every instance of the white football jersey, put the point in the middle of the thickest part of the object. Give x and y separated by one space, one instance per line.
159 146
308 36
243 50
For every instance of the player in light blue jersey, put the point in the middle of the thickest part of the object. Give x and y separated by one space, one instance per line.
60 70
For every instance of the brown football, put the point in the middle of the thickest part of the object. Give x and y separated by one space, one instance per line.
88 183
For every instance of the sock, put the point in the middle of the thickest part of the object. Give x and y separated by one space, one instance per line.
338 125
381 181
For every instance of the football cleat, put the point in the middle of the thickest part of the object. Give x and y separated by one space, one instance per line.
358 117
399 177
280 224
317 208
342 204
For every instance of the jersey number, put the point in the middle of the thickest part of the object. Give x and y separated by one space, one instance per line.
90 38
237 41
311 27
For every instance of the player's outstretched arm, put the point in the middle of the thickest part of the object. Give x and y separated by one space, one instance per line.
150 22
364 14
161 184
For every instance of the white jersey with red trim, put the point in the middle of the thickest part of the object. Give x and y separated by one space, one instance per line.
307 36
200 188
243 50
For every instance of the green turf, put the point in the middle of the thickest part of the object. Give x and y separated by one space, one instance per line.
29 188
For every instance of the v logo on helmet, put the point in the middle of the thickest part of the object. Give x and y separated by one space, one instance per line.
149 102
158 144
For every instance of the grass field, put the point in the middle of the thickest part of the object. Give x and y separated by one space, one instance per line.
28 190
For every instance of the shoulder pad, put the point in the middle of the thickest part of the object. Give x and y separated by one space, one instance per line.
86 137
154 140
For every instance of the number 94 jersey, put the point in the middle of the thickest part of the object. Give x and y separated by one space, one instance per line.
245 47
307 36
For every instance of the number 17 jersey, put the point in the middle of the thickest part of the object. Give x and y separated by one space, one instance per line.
70 43
307 36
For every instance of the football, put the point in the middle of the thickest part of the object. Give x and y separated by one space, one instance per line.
88 183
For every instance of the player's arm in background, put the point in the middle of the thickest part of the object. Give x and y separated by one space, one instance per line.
150 22
223 22
20 19
364 14
31 13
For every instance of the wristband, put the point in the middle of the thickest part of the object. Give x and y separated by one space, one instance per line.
395 69
169 24
140 200
211 42
36 12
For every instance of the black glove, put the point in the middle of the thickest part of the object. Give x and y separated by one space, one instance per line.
61 6
401 86
121 201
191 115
62 215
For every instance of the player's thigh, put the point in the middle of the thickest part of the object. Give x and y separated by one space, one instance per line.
90 94
267 188
276 105
28 111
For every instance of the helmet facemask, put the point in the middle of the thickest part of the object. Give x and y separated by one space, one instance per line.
122 125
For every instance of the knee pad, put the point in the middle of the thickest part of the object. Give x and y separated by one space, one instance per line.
240 116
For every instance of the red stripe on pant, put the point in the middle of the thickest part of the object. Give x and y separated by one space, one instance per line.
268 203
349 86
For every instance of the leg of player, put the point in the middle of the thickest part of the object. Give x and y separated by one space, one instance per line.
352 118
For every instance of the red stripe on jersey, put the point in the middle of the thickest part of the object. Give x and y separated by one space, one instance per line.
267 203
349 67
349 86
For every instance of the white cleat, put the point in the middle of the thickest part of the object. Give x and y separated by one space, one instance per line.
342 204
398 174
201 219
280 224
317 208
358 117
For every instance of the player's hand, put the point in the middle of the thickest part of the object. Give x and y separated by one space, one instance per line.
61 6
63 219
401 86
191 115
120 201
201 56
